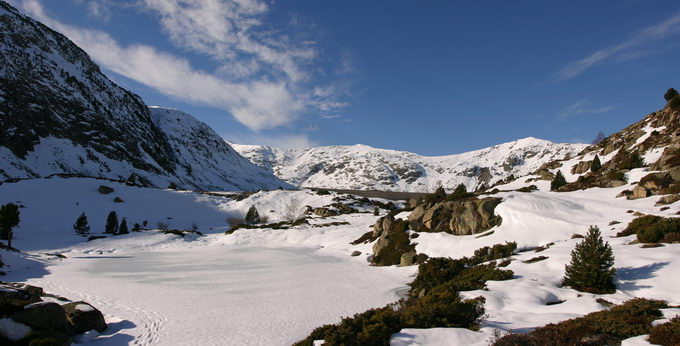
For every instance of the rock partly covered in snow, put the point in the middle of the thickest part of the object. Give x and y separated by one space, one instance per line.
361 167
59 114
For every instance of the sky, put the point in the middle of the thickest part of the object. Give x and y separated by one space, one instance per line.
431 77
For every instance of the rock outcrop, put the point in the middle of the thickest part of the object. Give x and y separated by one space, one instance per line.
464 217
393 241
39 322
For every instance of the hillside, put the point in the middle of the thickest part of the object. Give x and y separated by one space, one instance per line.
361 167
61 115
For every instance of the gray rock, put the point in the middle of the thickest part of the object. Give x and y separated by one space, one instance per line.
44 316
84 317
104 190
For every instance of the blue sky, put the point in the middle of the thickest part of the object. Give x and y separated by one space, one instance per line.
435 77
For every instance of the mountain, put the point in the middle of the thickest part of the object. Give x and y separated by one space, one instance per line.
361 167
59 114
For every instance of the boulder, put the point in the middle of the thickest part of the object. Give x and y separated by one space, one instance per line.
118 200
461 217
356 253
639 192
669 199
581 167
104 190
393 242
44 316
18 295
84 317
325 212
408 258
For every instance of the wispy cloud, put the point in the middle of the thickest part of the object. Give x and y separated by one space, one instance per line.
629 49
582 106
264 78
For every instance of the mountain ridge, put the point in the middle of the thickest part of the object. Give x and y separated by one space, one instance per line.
363 167
59 114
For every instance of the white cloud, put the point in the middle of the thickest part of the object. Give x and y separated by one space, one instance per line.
583 106
625 50
231 31
220 28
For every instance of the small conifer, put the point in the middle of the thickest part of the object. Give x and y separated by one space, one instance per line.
558 181
596 164
592 265
123 228
253 216
81 226
111 223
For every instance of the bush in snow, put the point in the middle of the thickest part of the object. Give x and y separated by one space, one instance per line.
293 211
653 229
163 226
596 164
136 228
252 216
592 265
439 305
9 218
607 327
558 181
235 221
123 228
81 226
111 223
666 334
439 195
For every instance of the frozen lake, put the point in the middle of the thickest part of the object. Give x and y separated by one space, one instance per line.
214 294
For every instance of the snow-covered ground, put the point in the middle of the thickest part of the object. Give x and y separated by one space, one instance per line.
272 287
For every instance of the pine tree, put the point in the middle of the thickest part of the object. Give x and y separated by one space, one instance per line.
460 189
596 164
252 217
111 223
670 93
9 218
439 194
592 265
81 226
558 181
136 227
123 228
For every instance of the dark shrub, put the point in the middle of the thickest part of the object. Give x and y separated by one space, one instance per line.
606 327
592 265
558 181
439 195
443 308
667 334
675 103
616 175
497 251
670 93
652 228
111 226
595 165
252 216
81 226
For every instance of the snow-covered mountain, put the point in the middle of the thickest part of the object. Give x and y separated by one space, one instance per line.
362 167
205 159
59 114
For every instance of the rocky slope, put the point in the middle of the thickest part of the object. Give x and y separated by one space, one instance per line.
653 143
362 167
60 114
